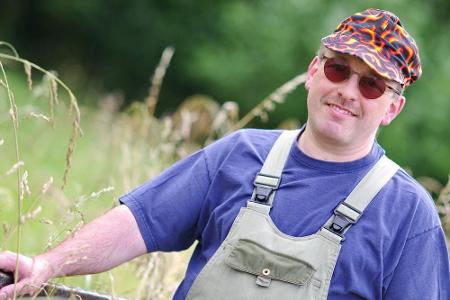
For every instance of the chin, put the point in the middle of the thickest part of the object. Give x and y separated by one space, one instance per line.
335 133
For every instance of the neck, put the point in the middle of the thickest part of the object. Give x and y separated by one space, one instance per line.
329 150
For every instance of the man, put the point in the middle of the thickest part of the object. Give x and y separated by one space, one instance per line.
384 241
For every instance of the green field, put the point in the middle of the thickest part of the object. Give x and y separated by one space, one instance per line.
117 151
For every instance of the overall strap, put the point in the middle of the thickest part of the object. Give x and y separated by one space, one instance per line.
350 210
268 179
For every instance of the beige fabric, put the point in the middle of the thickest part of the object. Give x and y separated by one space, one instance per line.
220 280
257 261
266 180
372 183
277 156
367 189
275 161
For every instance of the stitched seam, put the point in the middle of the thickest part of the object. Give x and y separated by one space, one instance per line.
411 238
207 165
205 197
248 270
140 211
421 233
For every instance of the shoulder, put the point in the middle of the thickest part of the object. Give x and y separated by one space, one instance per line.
254 141
254 137
412 204
416 237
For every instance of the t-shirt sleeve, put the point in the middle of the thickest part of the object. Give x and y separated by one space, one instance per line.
167 207
423 269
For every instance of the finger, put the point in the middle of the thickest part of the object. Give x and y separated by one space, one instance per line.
29 289
3 295
22 288
7 292
8 261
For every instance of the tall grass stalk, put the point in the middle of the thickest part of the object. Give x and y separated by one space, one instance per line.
15 125
157 79
73 106
140 146
268 103
22 181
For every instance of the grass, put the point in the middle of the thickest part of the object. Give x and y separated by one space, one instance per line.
119 150
109 160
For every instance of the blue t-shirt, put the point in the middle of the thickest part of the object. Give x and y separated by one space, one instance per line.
397 249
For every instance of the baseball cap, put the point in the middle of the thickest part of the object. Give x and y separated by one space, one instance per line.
378 38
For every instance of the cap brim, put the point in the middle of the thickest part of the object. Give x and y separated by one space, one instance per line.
375 60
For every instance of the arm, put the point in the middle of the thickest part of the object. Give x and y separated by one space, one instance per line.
104 243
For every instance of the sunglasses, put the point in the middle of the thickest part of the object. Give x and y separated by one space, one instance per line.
337 70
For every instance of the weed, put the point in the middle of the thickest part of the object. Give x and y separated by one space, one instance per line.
120 151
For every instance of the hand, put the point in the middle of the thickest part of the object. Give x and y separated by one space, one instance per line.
32 274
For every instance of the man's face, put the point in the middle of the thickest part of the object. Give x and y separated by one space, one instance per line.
338 113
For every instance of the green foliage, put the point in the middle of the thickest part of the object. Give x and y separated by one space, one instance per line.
232 50
118 151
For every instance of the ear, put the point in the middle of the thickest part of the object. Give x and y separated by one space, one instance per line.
393 110
312 69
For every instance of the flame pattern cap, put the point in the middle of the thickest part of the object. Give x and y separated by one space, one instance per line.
379 39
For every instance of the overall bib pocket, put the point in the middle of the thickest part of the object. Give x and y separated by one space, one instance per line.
267 265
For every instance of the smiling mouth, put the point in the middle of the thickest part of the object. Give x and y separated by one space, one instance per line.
341 109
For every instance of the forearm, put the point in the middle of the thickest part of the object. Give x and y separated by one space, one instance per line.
100 245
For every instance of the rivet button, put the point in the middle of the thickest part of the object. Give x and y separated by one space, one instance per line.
266 272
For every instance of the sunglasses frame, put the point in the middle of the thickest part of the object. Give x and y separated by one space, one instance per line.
396 91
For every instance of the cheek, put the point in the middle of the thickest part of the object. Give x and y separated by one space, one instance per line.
375 112
315 89
312 99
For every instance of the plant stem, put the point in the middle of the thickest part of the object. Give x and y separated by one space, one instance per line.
14 118
276 97
76 129
157 79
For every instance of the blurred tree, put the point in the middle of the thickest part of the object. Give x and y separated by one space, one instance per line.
233 51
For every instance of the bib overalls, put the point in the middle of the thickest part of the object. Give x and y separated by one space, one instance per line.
257 261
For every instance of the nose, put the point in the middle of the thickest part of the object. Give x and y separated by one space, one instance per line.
349 89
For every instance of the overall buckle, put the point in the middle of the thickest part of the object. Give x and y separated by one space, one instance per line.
340 223
345 215
262 193
264 186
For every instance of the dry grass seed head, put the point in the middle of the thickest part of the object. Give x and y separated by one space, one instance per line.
47 185
27 69
46 221
6 228
157 79
31 215
15 167
24 187
40 116
54 90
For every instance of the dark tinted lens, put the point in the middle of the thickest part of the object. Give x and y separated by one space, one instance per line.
371 87
336 71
